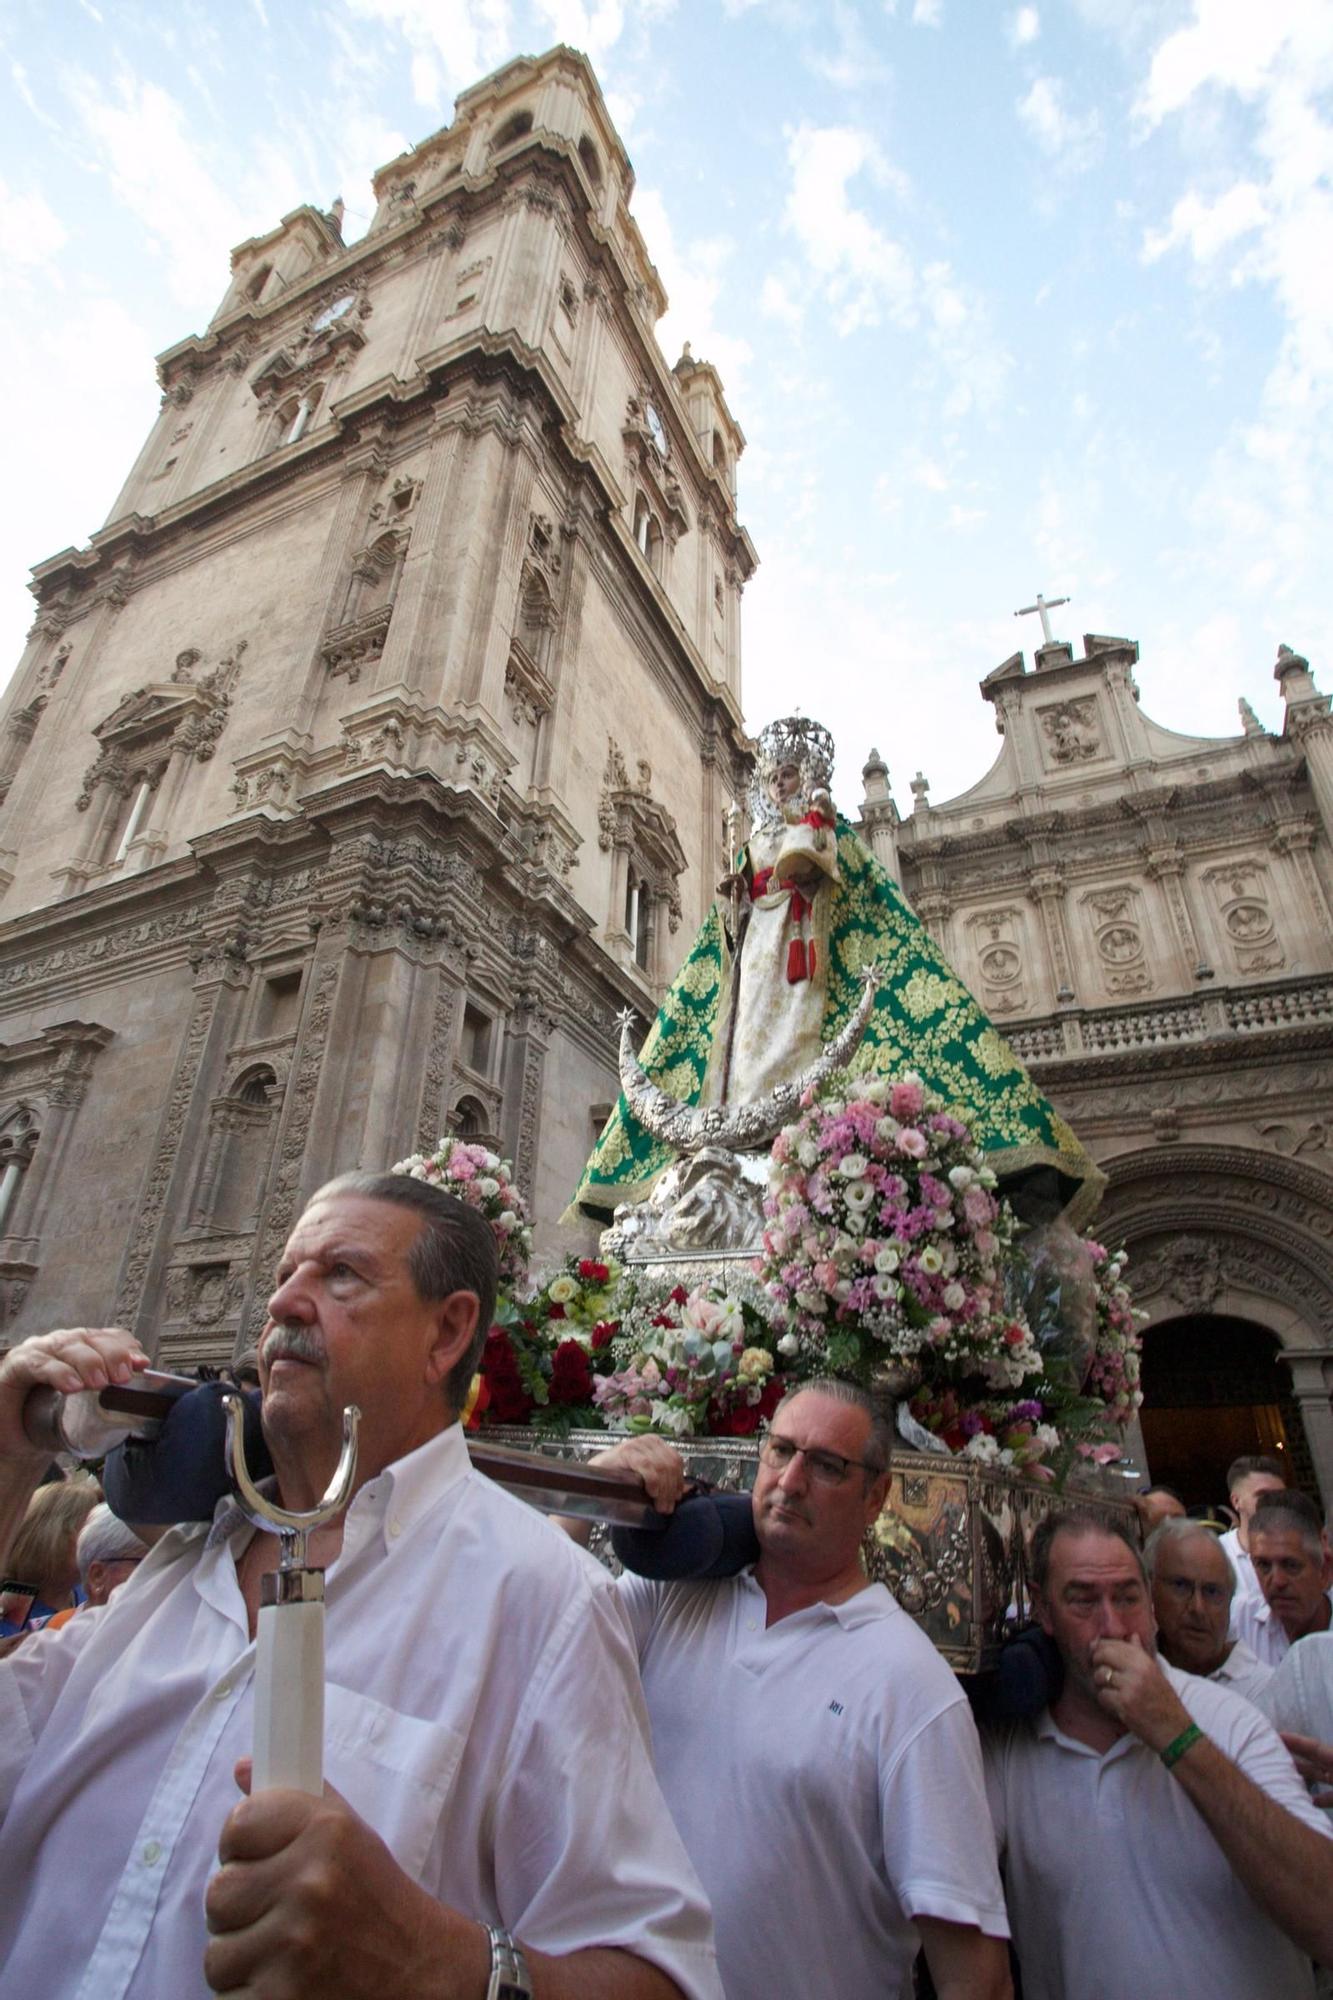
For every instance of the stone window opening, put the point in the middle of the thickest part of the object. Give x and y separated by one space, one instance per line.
293 418
476 1047
357 640
19 1135
470 1120
648 535
592 165
639 918
254 289
512 130
241 1126
720 456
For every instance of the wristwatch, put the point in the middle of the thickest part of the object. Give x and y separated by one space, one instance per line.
509 1968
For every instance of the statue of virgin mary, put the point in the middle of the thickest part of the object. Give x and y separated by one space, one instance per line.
775 974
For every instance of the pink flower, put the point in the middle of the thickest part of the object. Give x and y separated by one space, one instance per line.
461 1168
906 1100
826 1275
913 1143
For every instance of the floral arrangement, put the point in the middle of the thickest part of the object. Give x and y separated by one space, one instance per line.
690 1364
485 1182
1114 1374
885 1245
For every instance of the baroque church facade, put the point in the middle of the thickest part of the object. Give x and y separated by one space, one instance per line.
377 752
1147 917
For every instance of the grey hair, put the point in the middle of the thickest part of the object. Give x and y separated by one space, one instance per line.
1289 1513
1075 1521
454 1251
879 1441
1180 1531
105 1539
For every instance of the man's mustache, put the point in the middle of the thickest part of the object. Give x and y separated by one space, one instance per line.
291 1342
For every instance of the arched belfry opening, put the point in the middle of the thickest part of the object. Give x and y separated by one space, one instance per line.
1214 1389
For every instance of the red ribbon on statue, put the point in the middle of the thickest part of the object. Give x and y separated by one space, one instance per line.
800 955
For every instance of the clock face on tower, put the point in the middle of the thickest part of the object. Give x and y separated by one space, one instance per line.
331 314
656 428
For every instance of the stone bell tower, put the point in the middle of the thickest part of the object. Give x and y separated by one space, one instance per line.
376 751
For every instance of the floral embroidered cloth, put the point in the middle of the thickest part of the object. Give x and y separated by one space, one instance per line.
924 1019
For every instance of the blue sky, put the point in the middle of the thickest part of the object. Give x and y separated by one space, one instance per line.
1006 298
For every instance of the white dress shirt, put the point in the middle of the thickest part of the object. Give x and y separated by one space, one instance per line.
483 1714
826 1778
1299 1696
1116 1888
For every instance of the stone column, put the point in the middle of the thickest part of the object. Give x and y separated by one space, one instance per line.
1310 725
530 1031
1312 1379
1046 888
1167 866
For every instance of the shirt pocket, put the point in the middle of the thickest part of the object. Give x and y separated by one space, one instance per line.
395 1770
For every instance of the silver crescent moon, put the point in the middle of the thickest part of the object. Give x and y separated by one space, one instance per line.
740 1128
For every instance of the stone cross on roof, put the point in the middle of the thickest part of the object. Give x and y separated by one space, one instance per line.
1041 607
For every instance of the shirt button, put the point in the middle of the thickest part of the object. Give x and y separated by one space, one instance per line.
222 1691
395 1529
152 1852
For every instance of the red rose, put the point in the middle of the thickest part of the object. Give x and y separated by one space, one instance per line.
774 1391
571 1377
592 1272
508 1400
555 1311
679 1295
604 1333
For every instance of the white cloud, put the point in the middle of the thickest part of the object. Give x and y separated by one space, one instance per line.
30 230
777 297
927 13
692 274
1072 141
867 274
141 141
466 38
1233 45
1023 27
1208 227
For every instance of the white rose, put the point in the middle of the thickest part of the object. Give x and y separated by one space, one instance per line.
488 1187
887 1260
961 1177
812 1302
789 1344
954 1297
807 1153
886 1288
852 1166
858 1195
931 1261
562 1290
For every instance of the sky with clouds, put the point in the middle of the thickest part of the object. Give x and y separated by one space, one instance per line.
1006 298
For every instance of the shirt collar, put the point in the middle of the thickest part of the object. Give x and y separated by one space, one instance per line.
401 1493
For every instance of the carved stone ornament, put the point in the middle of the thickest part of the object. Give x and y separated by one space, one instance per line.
1070 729
185 715
357 644
1190 1269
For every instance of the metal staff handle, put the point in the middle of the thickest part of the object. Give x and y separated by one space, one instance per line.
289 1635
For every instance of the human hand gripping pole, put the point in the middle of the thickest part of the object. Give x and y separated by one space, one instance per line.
289 1636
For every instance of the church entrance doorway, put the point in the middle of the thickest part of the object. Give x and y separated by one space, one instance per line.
1214 1390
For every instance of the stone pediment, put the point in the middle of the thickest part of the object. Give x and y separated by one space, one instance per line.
146 711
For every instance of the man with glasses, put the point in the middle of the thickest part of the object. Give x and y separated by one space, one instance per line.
1192 1587
817 1755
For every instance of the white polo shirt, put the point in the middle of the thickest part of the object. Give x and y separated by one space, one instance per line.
825 1776
1242 1673
1117 1890
1262 1630
1300 1694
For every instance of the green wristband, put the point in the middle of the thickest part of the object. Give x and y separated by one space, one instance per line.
1185 1741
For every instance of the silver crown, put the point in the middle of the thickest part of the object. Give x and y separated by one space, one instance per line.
792 739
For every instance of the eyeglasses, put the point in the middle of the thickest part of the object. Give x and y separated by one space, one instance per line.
1180 1587
826 1468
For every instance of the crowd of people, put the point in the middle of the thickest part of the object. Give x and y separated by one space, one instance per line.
546 1781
